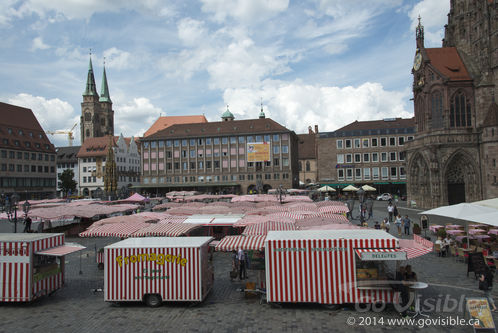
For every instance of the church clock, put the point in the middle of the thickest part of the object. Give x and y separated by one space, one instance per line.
417 61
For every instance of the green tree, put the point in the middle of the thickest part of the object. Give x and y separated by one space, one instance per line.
66 182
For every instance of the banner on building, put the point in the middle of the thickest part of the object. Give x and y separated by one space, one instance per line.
258 152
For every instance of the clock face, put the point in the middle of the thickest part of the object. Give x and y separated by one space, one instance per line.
417 62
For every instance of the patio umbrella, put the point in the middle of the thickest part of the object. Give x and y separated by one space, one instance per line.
467 211
368 188
350 188
326 188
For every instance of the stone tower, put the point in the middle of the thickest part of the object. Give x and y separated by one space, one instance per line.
97 116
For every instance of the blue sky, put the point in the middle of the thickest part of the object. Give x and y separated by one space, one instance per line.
325 62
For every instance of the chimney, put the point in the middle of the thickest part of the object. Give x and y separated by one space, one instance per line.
310 131
316 129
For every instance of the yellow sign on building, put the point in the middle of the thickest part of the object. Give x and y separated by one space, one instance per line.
258 152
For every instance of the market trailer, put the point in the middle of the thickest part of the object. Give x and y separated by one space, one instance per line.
156 269
329 266
32 265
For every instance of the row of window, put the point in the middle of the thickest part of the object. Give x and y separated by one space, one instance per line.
386 173
90 179
27 168
27 182
215 141
27 144
119 168
21 133
26 156
214 164
65 166
371 157
215 178
371 142
200 153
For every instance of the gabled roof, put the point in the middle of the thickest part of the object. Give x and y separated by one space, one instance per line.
19 129
448 62
67 154
378 124
94 147
492 116
306 146
164 122
235 127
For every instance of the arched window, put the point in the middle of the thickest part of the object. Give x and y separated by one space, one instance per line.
88 116
102 121
307 165
420 115
87 133
300 166
460 115
437 110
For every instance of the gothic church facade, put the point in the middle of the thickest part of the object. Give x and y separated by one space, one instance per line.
453 157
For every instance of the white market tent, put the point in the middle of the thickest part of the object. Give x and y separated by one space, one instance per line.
473 212
326 188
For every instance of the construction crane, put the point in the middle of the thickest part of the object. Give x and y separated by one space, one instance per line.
69 134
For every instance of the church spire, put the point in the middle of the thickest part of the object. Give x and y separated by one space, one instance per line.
104 91
262 114
91 89
420 34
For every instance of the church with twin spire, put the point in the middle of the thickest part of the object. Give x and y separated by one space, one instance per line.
97 115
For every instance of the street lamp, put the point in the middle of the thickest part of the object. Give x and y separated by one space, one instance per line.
26 206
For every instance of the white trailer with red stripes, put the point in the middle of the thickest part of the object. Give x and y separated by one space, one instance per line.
330 266
157 269
32 265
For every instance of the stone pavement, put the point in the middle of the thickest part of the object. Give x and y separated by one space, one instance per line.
76 308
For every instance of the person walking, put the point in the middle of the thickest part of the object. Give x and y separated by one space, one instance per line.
398 224
406 224
390 211
242 264
388 224
370 207
486 284
27 224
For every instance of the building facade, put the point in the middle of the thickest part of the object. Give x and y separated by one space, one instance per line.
67 159
97 115
92 161
453 156
231 156
366 152
27 157
307 152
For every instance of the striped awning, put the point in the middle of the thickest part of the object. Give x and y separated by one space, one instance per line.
166 229
61 250
381 254
336 209
413 248
122 230
230 243
263 228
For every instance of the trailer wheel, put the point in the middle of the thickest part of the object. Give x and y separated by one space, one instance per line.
153 300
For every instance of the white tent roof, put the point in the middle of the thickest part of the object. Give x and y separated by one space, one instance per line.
492 203
468 212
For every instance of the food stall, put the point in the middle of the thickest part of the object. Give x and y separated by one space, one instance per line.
333 266
32 265
157 269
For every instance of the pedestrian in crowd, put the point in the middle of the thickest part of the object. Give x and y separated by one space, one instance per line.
404 291
40 226
486 284
350 205
406 224
390 211
395 210
27 224
377 225
445 249
242 264
383 225
235 266
410 275
397 222
370 207
387 223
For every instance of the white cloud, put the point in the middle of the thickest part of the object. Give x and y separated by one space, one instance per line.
245 11
116 58
52 114
434 14
77 9
38 44
191 32
298 105
134 117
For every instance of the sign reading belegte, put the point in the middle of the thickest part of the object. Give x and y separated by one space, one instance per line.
383 255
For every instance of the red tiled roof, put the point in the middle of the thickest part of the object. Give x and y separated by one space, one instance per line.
19 129
93 147
378 124
164 122
306 147
448 62
235 127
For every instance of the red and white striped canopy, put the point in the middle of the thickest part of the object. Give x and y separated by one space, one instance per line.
114 230
61 250
230 243
166 229
413 249
335 209
263 228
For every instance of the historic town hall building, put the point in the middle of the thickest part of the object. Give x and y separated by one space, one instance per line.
453 157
